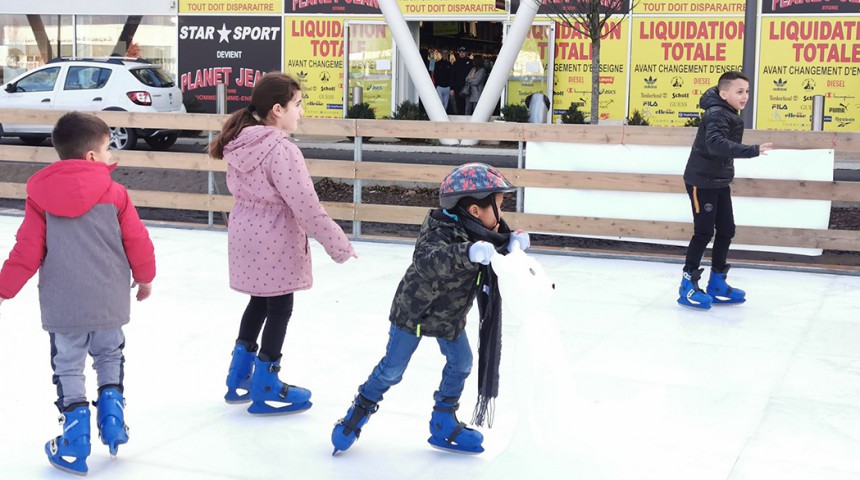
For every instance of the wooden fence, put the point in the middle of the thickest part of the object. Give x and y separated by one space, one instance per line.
372 171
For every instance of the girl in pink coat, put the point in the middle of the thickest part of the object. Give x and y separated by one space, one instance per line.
276 210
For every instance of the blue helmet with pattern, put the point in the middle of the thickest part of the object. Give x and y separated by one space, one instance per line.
476 180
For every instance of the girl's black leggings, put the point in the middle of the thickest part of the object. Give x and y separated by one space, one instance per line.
275 313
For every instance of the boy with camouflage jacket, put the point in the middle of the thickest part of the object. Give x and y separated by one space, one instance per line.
450 266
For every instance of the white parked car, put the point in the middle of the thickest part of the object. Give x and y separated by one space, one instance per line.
112 83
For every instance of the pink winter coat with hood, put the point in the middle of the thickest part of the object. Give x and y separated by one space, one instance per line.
276 210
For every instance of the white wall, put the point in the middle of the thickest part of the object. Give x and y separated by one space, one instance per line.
675 207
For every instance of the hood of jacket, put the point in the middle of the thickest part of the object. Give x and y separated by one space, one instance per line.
251 146
712 98
70 188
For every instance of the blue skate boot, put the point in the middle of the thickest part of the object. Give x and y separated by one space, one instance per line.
239 374
722 293
348 429
110 417
266 387
690 295
448 433
69 451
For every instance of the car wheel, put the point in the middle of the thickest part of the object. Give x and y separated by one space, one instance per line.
33 140
162 142
122 138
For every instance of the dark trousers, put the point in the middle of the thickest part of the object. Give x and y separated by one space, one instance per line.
275 312
461 101
712 210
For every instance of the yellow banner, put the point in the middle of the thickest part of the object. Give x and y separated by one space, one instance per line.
371 57
690 7
808 56
463 8
313 53
573 71
529 74
675 59
259 7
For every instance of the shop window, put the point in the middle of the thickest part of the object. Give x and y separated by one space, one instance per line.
29 41
148 37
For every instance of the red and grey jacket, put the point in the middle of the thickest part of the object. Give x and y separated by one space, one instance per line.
84 236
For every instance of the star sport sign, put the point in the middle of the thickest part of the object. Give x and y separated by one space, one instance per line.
231 50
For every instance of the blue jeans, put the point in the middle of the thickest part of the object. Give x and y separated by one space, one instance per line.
401 346
444 95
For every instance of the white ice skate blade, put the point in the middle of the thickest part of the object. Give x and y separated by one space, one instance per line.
694 307
452 450
284 411
67 470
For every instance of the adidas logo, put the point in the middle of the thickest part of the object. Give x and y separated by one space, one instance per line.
302 75
780 83
650 80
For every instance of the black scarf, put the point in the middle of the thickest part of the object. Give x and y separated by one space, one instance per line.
490 312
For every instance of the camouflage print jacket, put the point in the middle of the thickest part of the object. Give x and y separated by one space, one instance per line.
439 287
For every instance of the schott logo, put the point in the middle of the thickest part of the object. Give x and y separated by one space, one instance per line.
327 89
198 32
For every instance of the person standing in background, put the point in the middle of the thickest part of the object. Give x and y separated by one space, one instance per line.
461 69
444 76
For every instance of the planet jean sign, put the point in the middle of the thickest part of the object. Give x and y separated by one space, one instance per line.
231 50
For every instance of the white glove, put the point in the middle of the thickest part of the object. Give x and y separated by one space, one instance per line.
481 252
519 239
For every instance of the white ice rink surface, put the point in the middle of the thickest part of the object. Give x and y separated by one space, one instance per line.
766 390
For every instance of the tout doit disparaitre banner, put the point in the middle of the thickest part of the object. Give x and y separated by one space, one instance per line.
259 7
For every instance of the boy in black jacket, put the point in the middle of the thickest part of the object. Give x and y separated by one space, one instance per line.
710 170
449 270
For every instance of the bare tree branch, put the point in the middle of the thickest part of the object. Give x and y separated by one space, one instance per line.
589 18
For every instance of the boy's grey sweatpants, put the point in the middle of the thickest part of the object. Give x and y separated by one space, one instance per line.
68 358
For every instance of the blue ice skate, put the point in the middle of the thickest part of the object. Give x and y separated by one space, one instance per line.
448 433
69 451
690 295
348 429
110 418
239 374
266 387
722 292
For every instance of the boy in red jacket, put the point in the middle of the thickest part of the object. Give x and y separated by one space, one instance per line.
84 236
